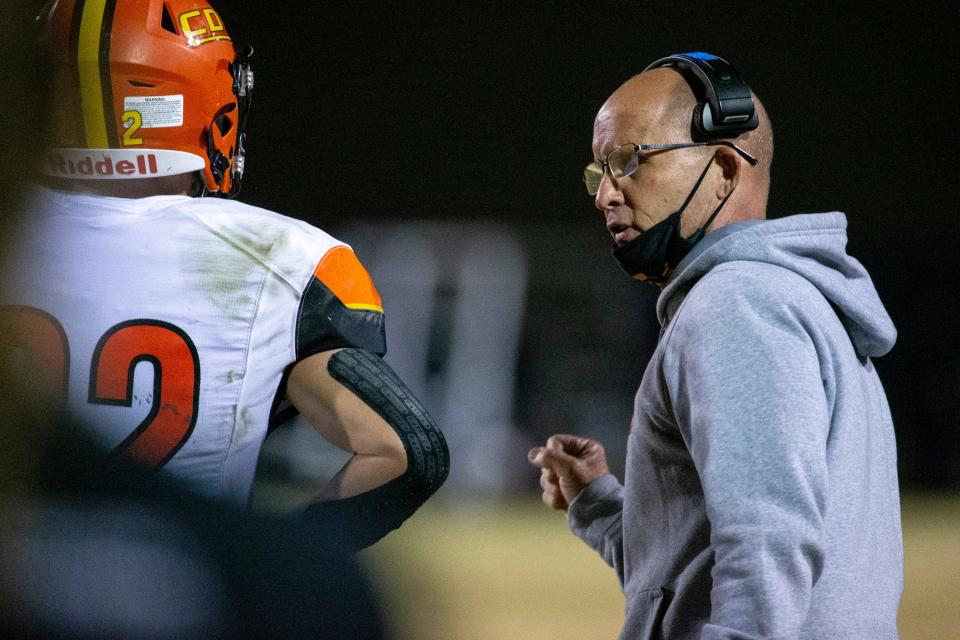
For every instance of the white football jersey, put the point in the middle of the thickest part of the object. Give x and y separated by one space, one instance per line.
168 323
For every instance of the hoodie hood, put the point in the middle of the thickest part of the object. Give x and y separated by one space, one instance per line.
812 246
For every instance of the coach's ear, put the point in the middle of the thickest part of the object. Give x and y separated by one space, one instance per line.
729 162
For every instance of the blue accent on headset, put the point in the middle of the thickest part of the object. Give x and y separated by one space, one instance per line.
699 55
724 108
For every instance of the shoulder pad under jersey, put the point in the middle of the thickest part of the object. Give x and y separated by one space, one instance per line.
340 307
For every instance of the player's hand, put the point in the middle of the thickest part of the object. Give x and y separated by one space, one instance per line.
567 464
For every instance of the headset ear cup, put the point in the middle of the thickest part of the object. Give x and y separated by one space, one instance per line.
699 131
705 120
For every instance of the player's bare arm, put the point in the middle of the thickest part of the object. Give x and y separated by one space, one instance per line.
567 464
400 456
348 423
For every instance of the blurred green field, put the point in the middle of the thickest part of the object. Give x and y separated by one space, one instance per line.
930 609
493 571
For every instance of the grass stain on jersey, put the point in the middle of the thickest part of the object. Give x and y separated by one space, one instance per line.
246 422
227 277
230 377
228 265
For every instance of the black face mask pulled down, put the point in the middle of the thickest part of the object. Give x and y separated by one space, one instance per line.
654 254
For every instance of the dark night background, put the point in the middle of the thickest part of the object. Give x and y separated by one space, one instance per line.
465 111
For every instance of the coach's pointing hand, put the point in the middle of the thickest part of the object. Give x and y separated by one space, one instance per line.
567 464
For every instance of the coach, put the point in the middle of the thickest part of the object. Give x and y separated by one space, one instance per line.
760 497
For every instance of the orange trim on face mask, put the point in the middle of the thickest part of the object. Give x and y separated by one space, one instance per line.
342 273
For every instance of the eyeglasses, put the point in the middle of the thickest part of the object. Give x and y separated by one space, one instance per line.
625 160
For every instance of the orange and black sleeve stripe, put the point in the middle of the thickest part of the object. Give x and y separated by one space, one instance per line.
340 308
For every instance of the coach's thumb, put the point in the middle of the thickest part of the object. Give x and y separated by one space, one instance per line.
534 455
555 459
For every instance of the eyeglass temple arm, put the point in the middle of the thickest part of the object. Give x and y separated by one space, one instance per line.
680 145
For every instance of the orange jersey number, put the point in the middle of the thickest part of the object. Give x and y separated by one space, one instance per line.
41 336
176 385
176 375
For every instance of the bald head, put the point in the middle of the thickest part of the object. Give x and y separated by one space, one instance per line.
661 98
660 102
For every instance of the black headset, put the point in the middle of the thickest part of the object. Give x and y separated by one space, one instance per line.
724 106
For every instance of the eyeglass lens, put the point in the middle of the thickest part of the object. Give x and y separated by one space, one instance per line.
622 162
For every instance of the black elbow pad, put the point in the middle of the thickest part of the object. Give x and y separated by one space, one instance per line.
363 519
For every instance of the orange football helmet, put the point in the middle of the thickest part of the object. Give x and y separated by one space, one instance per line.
146 88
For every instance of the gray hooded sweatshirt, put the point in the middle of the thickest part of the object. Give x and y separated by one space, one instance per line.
761 496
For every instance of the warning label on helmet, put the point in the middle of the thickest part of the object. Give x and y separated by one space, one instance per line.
156 111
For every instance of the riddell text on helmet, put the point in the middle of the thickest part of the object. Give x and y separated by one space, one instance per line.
107 164
102 166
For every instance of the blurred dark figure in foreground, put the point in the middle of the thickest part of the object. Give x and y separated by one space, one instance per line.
97 548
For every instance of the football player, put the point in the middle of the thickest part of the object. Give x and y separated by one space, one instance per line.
178 322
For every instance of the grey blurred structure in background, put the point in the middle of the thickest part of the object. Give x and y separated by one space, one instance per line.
455 298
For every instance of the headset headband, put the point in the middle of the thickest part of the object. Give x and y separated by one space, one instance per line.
718 86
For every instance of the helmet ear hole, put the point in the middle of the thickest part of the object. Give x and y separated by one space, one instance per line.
166 20
223 124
